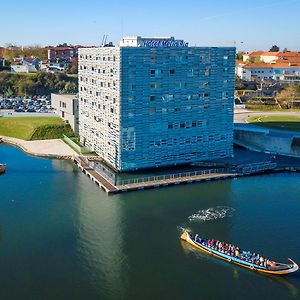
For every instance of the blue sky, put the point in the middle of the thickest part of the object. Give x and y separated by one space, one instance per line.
257 23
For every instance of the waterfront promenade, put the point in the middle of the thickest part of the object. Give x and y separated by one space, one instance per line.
109 183
44 148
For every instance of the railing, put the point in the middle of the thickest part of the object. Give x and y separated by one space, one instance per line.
79 149
244 169
171 176
254 167
110 177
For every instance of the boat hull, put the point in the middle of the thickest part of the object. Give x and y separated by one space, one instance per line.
185 236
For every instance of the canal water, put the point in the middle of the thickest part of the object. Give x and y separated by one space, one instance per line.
63 238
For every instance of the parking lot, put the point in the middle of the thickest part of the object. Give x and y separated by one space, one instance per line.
29 105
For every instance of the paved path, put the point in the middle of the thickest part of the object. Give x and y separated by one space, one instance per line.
44 148
240 115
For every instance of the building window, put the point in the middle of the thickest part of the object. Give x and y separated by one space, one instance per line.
152 73
152 98
172 72
154 86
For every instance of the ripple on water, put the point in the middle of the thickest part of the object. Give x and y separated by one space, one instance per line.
212 213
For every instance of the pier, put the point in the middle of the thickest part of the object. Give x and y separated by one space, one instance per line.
109 183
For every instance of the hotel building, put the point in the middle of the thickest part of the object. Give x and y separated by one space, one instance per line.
154 102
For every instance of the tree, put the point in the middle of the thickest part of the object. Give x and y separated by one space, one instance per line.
70 88
285 99
285 50
73 70
274 48
239 55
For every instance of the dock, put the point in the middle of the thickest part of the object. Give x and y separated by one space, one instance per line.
99 179
157 182
110 185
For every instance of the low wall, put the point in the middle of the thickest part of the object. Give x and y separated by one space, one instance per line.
81 150
268 141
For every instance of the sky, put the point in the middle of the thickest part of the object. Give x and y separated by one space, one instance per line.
248 25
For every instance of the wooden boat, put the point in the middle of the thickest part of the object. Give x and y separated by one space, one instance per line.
271 267
2 168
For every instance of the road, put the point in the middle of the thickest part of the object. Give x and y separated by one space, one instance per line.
12 113
240 115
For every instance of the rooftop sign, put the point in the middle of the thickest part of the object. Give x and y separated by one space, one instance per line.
170 43
165 42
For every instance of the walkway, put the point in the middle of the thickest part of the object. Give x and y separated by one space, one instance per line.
83 164
43 148
173 181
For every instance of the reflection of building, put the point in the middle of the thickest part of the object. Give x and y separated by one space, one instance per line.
156 102
101 238
66 106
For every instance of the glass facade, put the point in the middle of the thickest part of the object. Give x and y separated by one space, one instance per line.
143 107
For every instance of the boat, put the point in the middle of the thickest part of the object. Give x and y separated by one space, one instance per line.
2 168
243 258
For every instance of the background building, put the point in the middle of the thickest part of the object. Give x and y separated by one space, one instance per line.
66 106
156 102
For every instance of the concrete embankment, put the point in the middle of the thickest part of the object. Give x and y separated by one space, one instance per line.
43 148
267 140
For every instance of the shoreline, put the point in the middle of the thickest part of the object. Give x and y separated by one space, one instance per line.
42 148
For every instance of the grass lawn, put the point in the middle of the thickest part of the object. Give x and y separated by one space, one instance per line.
277 122
25 128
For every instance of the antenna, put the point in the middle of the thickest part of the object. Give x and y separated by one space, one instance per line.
106 36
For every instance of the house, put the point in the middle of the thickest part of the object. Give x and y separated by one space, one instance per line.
269 57
264 71
23 68
33 61
55 65
66 53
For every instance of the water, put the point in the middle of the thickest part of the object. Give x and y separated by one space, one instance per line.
63 238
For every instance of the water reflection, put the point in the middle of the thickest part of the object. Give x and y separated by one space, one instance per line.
100 244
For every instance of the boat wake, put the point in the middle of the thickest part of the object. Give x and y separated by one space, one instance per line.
213 213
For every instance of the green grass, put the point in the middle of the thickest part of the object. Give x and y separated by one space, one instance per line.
276 122
34 128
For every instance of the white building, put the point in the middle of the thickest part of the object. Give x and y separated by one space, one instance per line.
26 68
66 106
264 71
